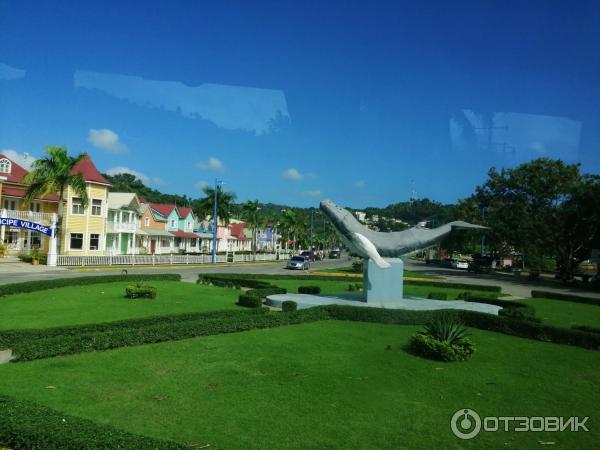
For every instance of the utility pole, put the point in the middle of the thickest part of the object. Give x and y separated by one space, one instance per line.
483 235
312 221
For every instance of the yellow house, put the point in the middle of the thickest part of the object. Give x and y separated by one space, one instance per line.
83 230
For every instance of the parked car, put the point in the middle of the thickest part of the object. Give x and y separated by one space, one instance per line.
310 255
446 262
335 254
460 264
298 263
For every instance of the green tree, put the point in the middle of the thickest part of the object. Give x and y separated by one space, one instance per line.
545 208
205 206
251 213
54 174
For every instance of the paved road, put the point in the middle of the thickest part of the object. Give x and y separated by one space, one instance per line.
515 287
18 272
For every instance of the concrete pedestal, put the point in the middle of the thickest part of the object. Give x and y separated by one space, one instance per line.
384 285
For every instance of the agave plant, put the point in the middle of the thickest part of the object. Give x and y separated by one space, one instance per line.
446 328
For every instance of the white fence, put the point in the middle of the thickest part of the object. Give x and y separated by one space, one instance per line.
156 260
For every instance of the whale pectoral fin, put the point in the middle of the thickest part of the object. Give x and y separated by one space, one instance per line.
369 250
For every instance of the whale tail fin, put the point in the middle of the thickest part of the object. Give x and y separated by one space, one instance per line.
461 225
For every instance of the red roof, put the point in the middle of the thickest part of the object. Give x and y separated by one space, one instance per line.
20 193
183 212
163 209
16 171
86 168
184 234
237 231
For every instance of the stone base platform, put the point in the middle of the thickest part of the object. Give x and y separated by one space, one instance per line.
416 304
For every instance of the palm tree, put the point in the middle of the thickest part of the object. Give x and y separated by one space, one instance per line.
225 201
251 213
54 174
288 224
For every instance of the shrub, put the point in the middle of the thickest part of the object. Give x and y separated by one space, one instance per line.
32 286
437 296
140 290
27 425
309 290
249 301
512 309
289 305
428 347
264 292
586 328
446 327
566 297
351 287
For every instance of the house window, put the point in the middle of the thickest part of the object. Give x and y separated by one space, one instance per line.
164 243
36 240
172 223
35 207
76 241
10 204
94 241
77 205
193 242
147 222
96 207
5 165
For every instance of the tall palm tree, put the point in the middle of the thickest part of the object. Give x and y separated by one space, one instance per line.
225 201
251 213
288 224
53 174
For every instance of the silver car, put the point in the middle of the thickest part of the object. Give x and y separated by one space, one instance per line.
298 263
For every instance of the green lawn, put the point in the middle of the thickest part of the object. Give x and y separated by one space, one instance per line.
341 287
328 384
565 314
106 302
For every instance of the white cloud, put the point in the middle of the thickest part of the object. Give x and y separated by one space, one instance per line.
121 169
23 159
316 193
360 184
10 73
201 184
292 174
214 164
106 140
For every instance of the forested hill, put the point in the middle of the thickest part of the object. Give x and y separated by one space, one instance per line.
414 211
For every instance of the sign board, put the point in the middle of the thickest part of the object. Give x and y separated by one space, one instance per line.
44 229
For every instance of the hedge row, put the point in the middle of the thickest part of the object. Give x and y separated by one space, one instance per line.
566 297
516 310
249 278
130 333
41 285
27 425
488 322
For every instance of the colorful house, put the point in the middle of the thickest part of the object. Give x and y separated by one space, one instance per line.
42 211
83 230
122 224
154 237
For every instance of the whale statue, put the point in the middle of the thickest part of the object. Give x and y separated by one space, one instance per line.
377 245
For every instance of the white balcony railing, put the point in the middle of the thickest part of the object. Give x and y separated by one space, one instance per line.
38 217
121 227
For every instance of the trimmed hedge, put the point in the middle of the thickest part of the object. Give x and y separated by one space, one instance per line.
566 297
36 344
27 425
249 301
309 290
586 328
437 296
41 285
236 277
140 291
289 305
506 325
515 310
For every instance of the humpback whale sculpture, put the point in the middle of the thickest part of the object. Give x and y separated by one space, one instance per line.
376 245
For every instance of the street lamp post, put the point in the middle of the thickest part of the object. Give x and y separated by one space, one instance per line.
214 243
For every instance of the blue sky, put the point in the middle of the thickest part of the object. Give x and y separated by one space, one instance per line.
292 102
